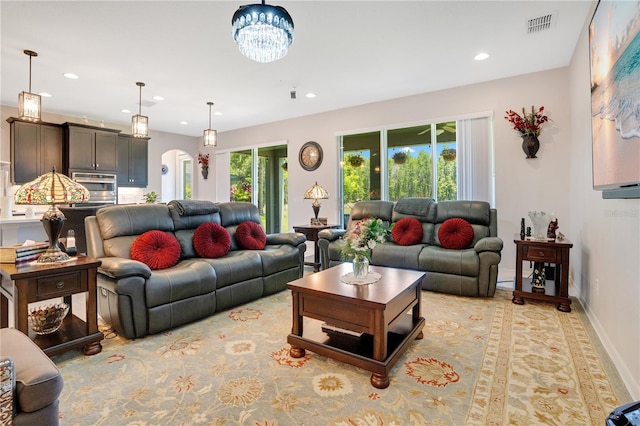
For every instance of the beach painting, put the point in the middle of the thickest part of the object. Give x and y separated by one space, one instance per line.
614 42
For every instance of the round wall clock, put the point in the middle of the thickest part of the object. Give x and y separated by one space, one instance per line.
310 156
164 169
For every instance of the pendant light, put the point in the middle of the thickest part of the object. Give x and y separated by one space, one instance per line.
29 103
139 122
263 32
210 135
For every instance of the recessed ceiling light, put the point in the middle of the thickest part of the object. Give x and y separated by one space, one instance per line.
158 98
71 75
184 122
310 95
481 56
126 111
45 94
217 113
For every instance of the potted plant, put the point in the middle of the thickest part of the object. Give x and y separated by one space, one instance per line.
399 157
203 160
356 160
529 125
150 197
448 154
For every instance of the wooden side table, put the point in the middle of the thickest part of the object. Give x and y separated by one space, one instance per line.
37 282
311 232
554 251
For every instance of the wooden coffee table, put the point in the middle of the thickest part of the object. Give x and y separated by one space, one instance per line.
379 320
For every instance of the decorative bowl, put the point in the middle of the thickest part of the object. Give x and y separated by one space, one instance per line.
47 319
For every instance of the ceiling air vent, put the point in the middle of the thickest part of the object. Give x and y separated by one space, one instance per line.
541 23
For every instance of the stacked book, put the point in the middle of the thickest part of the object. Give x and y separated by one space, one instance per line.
22 253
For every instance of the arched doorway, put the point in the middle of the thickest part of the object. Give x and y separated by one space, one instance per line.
177 175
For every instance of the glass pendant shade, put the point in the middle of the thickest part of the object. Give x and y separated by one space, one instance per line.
264 33
52 188
139 122
140 126
29 106
29 103
210 136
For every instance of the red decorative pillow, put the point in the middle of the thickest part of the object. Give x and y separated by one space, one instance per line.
407 231
156 249
251 236
455 233
211 240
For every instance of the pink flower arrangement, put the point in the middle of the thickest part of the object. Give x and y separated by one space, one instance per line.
527 123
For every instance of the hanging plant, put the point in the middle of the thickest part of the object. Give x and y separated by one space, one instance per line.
356 160
448 154
399 157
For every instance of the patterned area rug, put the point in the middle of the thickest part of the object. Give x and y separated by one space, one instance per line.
481 362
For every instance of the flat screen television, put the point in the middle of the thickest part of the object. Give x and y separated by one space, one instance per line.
614 50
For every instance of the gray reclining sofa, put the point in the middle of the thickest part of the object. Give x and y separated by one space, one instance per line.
471 271
137 301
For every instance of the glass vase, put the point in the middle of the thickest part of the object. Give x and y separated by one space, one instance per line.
540 222
360 266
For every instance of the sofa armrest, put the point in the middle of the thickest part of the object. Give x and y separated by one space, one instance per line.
291 238
119 267
488 244
331 234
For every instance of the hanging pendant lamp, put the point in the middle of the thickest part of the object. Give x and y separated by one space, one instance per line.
140 123
29 103
263 32
210 135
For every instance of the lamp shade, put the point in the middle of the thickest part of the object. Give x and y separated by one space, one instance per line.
51 188
316 192
29 103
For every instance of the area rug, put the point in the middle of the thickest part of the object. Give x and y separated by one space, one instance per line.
482 361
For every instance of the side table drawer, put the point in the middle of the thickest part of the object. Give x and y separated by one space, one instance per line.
541 254
59 285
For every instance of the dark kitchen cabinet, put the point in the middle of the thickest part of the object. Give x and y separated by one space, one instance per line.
35 149
132 161
91 148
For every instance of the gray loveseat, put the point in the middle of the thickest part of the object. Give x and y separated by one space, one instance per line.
137 301
471 271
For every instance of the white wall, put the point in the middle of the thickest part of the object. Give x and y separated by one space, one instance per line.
606 254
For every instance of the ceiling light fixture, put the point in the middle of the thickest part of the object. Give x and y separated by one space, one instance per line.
71 75
140 123
210 135
29 103
263 32
481 56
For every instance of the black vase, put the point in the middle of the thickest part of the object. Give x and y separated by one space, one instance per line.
205 173
530 145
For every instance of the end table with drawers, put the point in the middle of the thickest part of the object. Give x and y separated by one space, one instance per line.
550 251
35 282
311 232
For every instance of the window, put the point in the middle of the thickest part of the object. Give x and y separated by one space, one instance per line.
446 160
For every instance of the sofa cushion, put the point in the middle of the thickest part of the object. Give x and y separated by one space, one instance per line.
407 231
211 240
251 236
455 233
156 249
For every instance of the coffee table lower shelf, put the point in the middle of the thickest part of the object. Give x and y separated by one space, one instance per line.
358 351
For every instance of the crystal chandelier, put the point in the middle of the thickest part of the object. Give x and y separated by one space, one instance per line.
139 122
210 135
29 103
263 32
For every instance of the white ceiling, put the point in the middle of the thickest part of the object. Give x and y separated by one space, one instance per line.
346 52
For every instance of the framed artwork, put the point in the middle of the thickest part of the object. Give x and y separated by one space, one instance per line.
614 50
